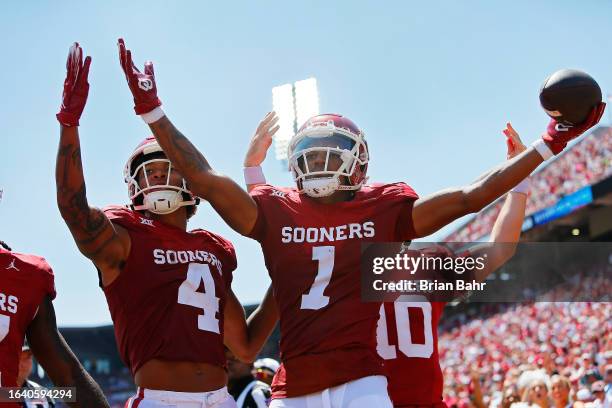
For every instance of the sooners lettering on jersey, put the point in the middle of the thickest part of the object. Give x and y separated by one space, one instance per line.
168 300
24 282
312 252
407 336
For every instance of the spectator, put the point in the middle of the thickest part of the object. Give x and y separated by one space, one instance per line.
536 393
511 396
608 386
591 375
560 387
597 390
584 397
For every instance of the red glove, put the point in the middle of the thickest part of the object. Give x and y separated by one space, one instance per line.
76 87
558 135
142 85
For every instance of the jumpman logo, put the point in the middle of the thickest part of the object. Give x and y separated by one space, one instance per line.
12 266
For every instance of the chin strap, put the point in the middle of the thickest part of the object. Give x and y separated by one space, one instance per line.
164 202
321 187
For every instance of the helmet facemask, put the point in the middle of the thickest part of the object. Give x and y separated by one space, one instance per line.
159 198
326 159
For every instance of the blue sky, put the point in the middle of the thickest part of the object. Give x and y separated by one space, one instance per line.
432 84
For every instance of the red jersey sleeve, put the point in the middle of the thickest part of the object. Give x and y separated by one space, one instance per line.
230 259
121 215
405 225
49 279
261 195
230 253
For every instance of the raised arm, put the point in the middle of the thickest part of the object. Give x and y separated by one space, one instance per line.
258 148
246 338
433 212
94 234
234 204
64 369
506 230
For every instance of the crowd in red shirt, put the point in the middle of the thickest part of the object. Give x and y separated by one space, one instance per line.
528 344
587 162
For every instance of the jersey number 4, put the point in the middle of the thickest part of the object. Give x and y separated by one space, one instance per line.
404 336
207 301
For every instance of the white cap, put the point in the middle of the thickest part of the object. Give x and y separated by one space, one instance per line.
584 395
267 364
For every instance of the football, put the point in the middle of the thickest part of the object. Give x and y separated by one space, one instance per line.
568 96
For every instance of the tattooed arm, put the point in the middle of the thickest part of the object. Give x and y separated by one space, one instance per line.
234 204
97 238
64 369
106 245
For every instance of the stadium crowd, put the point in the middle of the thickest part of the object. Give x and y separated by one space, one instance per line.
545 353
587 162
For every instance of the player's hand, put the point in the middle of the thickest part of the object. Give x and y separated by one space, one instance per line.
558 135
261 141
76 87
513 142
142 85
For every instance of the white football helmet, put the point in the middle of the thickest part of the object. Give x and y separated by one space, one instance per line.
157 198
326 148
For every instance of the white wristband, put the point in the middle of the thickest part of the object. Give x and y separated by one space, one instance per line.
522 187
254 175
153 116
542 148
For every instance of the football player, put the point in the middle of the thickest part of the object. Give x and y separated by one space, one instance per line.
415 376
168 289
413 369
26 292
311 236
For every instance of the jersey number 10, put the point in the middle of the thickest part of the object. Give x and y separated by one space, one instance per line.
402 324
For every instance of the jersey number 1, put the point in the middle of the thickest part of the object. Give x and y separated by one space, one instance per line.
315 299
207 301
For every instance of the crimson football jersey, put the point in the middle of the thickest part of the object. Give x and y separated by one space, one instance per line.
407 336
25 280
167 302
312 252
